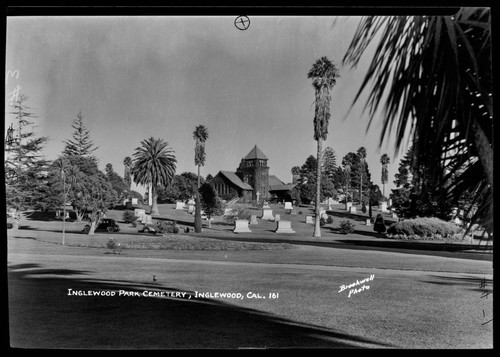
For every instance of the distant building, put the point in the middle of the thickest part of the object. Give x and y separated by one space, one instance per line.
251 180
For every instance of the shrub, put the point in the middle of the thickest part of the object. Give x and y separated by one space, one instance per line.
238 213
329 220
322 222
129 216
346 227
115 247
166 227
424 228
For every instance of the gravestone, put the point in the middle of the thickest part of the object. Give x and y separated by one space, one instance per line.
368 222
266 205
135 201
190 208
390 202
149 219
382 206
253 219
322 212
241 226
394 215
277 217
284 227
140 212
191 202
348 206
352 209
179 205
288 205
309 219
144 219
324 216
267 214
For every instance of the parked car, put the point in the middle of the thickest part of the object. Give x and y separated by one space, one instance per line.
106 224
149 228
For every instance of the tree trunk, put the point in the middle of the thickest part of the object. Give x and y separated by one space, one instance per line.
154 207
317 229
92 228
198 224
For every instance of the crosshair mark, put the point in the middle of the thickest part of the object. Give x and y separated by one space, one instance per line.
242 23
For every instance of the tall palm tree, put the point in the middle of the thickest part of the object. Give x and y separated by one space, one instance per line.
434 74
154 164
127 162
200 135
384 160
324 74
362 157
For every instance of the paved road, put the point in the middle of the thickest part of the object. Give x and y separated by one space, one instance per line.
413 301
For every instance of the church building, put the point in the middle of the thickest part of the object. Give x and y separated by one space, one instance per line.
251 182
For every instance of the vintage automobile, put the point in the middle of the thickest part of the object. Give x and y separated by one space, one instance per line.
149 228
106 224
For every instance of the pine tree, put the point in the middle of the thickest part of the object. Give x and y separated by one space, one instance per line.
329 164
80 145
25 166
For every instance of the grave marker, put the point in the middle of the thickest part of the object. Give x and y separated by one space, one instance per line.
241 226
284 227
267 214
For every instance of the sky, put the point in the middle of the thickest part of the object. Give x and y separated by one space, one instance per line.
135 77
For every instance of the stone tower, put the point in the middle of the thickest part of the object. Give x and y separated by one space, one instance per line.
254 171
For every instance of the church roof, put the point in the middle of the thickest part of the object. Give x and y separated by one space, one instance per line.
231 176
274 180
255 153
287 187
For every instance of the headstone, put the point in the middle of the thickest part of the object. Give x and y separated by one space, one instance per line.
241 226
390 202
324 216
309 219
149 219
191 208
139 212
144 219
253 219
288 205
179 205
277 217
322 212
368 222
191 202
135 201
284 227
352 209
382 206
348 206
267 214
266 205
394 215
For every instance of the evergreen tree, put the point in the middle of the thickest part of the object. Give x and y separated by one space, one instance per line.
81 144
127 176
25 166
329 164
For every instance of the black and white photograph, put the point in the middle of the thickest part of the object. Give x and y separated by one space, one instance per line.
241 180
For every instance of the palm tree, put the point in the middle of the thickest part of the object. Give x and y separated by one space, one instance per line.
434 74
362 157
200 135
154 164
127 162
324 74
384 160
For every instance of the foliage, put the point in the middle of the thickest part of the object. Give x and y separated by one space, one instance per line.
154 164
25 167
322 222
210 201
127 177
424 227
329 163
346 227
416 193
129 216
114 246
183 187
379 224
116 182
384 160
434 74
329 220
80 145
238 213
167 227
200 135
354 169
